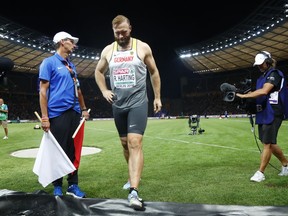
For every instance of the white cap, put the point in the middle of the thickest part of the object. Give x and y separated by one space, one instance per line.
64 35
261 57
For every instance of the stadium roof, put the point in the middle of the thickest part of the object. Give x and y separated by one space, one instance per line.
266 29
27 48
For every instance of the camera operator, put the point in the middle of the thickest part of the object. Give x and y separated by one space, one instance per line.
271 105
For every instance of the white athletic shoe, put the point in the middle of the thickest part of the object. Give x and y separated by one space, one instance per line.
135 201
126 186
5 137
258 177
284 171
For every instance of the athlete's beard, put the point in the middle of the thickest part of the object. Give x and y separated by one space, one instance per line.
123 42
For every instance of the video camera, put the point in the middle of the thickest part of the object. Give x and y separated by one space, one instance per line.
193 122
229 91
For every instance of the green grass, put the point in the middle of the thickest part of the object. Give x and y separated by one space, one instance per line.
211 168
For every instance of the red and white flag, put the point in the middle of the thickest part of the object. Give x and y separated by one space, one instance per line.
78 142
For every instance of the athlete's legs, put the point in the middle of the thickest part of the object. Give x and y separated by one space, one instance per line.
136 159
120 120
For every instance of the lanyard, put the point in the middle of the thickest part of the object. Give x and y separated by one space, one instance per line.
73 77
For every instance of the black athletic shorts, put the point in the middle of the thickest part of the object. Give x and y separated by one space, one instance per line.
268 132
131 120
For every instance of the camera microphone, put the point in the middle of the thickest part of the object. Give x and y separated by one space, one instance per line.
227 87
229 91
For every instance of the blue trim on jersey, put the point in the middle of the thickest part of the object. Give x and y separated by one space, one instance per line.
60 97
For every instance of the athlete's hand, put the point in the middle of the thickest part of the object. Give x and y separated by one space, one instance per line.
108 95
157 105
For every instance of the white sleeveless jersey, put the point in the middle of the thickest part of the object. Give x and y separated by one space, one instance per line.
128 77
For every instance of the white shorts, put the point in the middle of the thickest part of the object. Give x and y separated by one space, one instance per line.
4 123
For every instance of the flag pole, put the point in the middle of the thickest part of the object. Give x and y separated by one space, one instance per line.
79 126
38 116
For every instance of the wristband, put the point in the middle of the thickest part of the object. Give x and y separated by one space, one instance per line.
84 109
45 119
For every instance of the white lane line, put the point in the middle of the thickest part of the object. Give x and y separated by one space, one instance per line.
199 143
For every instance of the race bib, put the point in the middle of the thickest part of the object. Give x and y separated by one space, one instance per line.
124 78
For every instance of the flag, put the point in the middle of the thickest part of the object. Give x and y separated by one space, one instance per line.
78 142
51 161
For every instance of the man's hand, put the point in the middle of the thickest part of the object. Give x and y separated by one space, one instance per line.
108 95
157 105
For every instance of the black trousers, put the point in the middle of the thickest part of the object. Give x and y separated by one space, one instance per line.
63 128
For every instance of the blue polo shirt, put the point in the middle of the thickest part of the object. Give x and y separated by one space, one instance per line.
61 92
